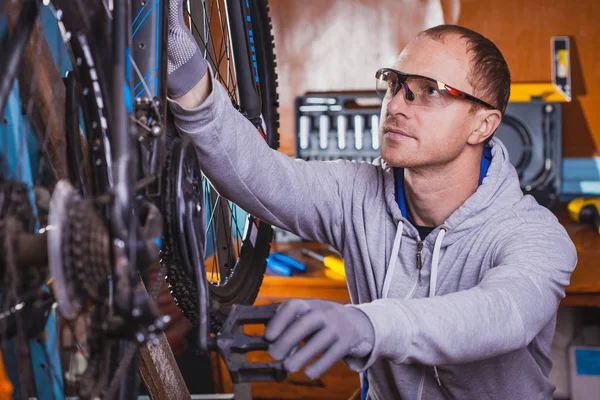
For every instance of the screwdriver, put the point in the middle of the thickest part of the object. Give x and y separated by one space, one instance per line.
334 263
284 264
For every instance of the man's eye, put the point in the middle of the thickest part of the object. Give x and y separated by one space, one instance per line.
432 91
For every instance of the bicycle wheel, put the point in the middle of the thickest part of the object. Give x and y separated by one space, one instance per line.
237 244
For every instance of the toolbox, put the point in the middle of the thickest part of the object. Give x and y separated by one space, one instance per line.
338 125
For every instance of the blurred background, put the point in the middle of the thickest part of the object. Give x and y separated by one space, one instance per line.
332 45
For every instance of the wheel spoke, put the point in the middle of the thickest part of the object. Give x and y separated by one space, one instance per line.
213 55
222 226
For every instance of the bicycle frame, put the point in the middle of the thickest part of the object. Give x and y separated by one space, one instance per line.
242 43
148 76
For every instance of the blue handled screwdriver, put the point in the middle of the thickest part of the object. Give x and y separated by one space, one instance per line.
295 264
283 264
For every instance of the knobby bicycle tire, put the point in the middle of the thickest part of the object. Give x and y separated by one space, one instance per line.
243 286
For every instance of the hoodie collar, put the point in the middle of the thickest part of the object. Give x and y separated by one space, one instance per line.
499 189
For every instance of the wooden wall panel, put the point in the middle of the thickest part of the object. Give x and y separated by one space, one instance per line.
338 45
522 30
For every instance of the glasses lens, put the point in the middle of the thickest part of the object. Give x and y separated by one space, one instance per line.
429 93
423 91
387 83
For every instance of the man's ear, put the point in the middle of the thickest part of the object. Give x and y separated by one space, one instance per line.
485 122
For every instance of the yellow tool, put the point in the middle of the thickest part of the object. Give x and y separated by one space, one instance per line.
334 263
334 275
586 211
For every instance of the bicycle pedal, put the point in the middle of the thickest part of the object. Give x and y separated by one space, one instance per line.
231 341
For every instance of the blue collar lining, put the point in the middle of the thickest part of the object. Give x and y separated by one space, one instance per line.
486 160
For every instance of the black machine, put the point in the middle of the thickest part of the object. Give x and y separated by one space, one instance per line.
532 134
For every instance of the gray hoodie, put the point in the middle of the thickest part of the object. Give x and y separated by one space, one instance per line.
474 322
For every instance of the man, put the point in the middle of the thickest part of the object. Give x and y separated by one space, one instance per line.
455 277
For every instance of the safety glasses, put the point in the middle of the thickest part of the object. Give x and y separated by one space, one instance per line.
420 90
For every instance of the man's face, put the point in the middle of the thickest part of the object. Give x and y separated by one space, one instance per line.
415 136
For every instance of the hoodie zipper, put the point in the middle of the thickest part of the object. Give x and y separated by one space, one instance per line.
419 266
419 255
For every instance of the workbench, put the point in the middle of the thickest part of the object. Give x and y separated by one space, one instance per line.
584 289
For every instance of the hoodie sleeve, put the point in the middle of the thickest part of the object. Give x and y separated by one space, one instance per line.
302 197
508 308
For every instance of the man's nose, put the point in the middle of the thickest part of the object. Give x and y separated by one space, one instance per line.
398 103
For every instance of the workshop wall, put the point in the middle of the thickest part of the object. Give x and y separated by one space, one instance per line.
522 29
338 45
